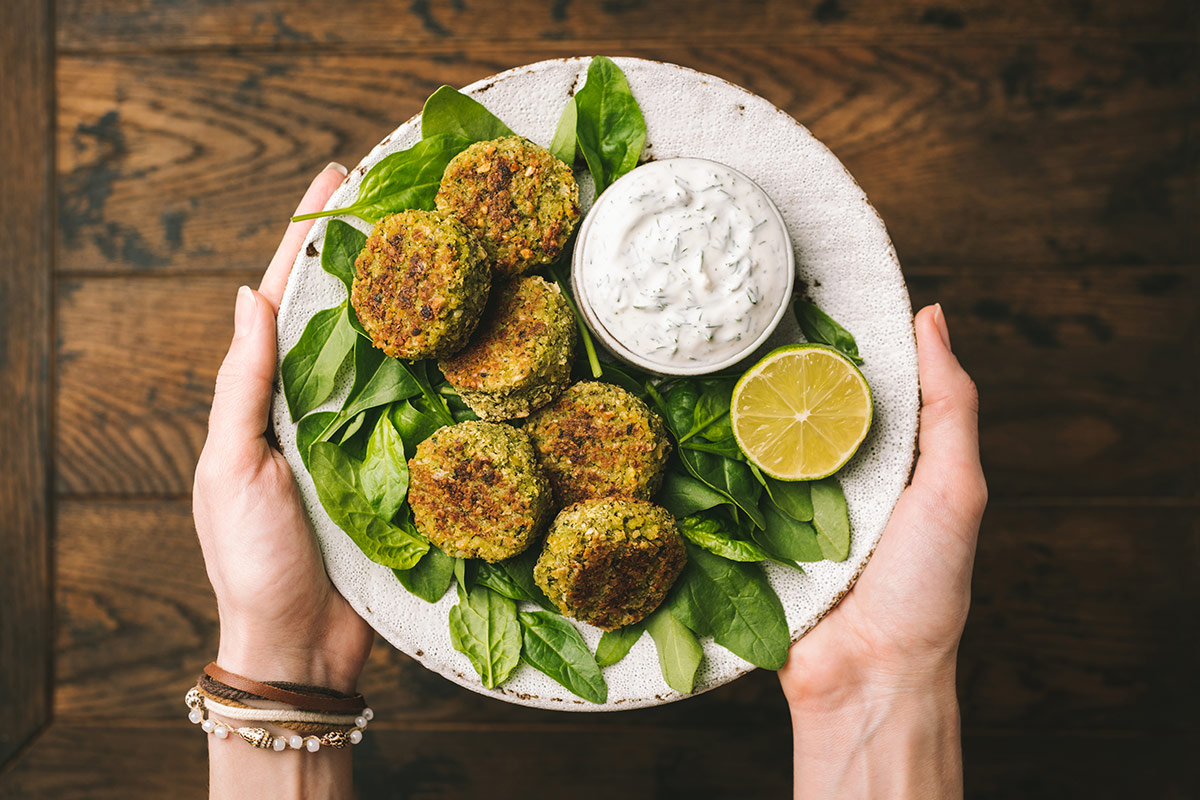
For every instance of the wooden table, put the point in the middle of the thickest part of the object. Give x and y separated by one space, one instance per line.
1036 163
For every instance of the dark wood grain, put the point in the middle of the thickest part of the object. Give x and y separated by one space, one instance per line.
997 154
424 764
26 200
137 620
122 25
1074 369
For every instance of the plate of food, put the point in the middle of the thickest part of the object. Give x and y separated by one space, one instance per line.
599 382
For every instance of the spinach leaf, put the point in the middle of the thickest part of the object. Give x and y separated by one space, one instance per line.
709 533
413 425
309 368
787 539
609 124
683 495
679 652
729 477
513 578
484 627
820 328
340 491
378 380
679 407
628 378
430 578
408 179
726 448
553 646
449 112
465 570
563 145
310 429
793 498
343 243
384 471
615 645
735 604
831 519
710 416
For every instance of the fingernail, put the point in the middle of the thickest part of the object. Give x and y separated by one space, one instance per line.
939 319
244 312
338 167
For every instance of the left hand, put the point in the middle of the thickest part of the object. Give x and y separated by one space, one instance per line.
281 618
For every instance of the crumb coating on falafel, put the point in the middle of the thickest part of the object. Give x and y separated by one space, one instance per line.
520 200
599 440
610 562
476 491
420 284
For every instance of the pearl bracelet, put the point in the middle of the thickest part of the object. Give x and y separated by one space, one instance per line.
262 738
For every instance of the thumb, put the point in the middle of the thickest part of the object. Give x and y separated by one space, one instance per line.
242 399
949 437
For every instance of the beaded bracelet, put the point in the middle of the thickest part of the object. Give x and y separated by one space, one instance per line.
262 738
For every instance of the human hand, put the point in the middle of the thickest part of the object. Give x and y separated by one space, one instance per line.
883 661
281 618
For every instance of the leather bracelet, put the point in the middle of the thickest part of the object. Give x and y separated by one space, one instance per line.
329 702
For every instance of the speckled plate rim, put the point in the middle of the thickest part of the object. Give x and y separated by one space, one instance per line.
557 698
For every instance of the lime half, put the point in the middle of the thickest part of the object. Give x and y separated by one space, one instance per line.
801 412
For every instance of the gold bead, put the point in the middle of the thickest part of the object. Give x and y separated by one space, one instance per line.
193 698
336 739
258 737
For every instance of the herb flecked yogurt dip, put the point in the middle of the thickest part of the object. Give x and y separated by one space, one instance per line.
683 266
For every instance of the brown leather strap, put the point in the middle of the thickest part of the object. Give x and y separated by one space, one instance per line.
279 695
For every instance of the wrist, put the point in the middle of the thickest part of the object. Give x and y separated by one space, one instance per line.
284 662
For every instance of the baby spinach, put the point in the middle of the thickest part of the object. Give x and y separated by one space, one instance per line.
609 125
787 539
483 626
308 370
679 652
554 647
413 424
431 576
710 414
731 478
449 112
310 429
343 243
735 604
793 498
683 495
820 328
403 180
709 533
384 471
513 578
831 519
340 491
563 146
465 570
615 645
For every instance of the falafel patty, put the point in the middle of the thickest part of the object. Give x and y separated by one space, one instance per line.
599 440
420 284
610 562
476 491
519 199
520 356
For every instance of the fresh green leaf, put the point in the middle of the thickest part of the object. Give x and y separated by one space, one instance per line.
465 570
628 378
683 495
310 429
449 112
585 335
378 380
727 448
709 533
484 627
710 416
563 145
731 478
679 652
343 243
308 370
615 645
831 519
384 471
609 125
413 425
430 578
820 328
434 401
787 539
554 647
793 498
735 604
513 578
679 407
340 491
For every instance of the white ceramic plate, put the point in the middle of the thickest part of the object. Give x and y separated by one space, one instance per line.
844 257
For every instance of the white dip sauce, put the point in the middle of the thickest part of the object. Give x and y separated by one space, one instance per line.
686 262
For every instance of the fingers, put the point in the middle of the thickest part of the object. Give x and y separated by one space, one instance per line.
242 399
949 436
318 194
